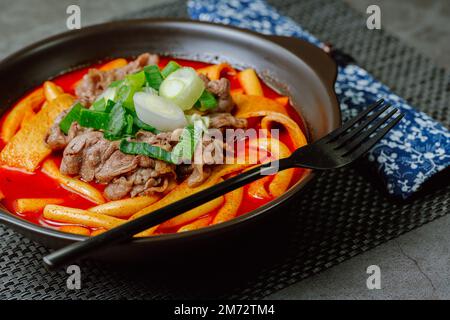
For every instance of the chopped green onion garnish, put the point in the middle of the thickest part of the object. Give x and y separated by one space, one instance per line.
198 120
123 92
132 83
136 79
111 137
86 118
99 105
184 149
158 112
169 68
189 139
142 125
183 87
145 149
103 106
117 122
93 119
115 84
125 96
108 94
153 76
109 106
129 128
207 101
72 116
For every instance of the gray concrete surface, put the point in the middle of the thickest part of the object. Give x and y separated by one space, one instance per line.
413 266
23 22
424 24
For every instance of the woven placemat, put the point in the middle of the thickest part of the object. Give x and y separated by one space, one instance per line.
341 215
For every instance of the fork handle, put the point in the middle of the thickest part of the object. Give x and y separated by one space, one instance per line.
126 231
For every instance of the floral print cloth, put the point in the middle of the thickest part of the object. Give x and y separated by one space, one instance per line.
413 151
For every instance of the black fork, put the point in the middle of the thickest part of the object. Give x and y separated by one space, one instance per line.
339 148
350 141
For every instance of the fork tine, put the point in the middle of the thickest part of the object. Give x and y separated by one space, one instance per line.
366 146
352 133
366 134
334 134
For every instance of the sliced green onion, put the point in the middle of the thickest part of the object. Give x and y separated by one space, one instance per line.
109 106
191 136
153 76
117 122
158 112
184 149
200 127
136 79
142 148
150 90
111 137
183 87
125 96
129 129
140 125
196 119
116 83
93 119
132 84
207 101
87 118
169 68
103 106
108 94
99 105
72 116
123 92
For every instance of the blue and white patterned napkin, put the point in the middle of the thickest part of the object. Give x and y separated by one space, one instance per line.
416 149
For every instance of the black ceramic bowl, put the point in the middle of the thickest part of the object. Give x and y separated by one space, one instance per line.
291 66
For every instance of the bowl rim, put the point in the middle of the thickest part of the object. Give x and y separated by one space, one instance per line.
17 222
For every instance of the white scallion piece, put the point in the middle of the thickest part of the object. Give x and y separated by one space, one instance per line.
183 87
158 112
